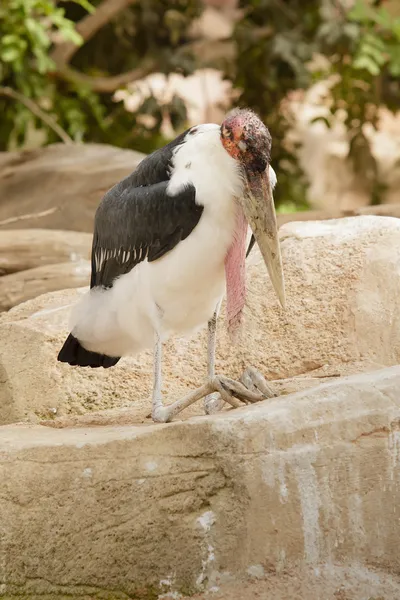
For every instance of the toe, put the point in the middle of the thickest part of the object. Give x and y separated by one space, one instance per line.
247 381
235 389
259 382
213 403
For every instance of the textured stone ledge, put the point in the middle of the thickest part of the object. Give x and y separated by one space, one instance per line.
127 512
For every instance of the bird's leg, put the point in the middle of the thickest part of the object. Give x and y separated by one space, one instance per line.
157 378
229 390
161 413
252 379
253 388
212 402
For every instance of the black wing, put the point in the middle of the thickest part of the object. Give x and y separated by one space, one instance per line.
136 223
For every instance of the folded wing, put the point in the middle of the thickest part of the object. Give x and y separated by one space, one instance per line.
139 223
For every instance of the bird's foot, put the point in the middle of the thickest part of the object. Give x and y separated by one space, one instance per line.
252 380
213 403
219 389
255 381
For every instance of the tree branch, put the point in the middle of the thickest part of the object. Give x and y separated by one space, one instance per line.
38 112
208 51
88 26
106 84
29 216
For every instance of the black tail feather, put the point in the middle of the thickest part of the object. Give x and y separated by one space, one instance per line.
74 354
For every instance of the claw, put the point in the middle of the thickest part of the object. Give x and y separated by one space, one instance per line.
219 389
238 390
221 385
252 387
255 381
247 381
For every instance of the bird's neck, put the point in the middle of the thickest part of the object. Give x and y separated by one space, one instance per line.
235 274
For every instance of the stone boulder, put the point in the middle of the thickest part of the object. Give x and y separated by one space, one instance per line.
24 249
343 312
25 285
306 482
59 186
37 261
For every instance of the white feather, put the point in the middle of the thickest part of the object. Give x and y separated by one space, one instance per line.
272 177
180 291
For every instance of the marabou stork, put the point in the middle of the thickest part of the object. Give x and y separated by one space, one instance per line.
168 240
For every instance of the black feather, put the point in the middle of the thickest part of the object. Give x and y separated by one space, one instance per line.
136 219
73 353
139 223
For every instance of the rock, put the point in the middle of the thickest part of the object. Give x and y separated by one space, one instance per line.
328 582
343 311
59 186
23 249
25 285
383 210
306 482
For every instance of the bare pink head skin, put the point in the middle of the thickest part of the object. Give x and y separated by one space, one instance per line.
248 141
246 138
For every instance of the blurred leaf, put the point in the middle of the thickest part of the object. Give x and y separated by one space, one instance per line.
360 11
70 35
10 54
88 6
365 62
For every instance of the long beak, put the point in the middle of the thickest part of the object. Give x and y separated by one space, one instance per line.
259 209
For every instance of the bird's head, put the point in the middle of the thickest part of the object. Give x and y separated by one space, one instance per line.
248 141
245 137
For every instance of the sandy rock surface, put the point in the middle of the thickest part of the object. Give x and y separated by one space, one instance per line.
331 582
59 186
24 249
25 285
304 483
295 498
343 312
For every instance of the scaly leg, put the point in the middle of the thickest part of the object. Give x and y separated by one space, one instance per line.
212 402
157 377
228 389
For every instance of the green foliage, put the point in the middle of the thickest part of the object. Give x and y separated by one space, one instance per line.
276 42
149 28
363 46
365 56
32 22
379 42
362 51
27 28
